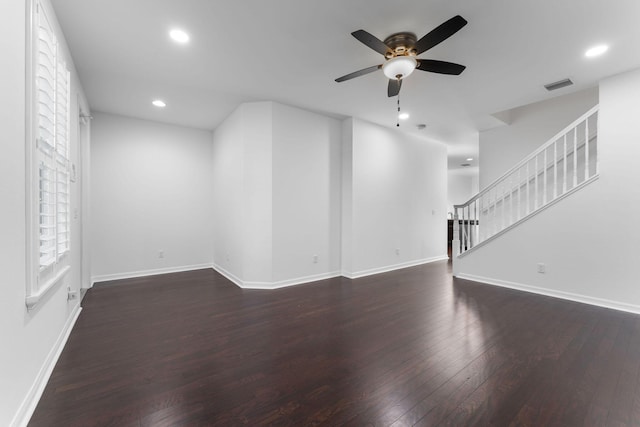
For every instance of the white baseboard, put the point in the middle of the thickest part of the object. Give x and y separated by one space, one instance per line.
273 285
232 277
22 417
585 299
290 282
388 268
142 273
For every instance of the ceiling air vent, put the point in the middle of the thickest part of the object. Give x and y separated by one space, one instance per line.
558 85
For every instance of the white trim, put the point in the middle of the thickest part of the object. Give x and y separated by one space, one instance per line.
230 276
388 268
22 417
32 299
585 299
31 263
530 215
142 273
290 282
531 156
273 285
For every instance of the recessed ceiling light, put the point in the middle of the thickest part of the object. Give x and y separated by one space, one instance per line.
159 103
469 159
596 51
179 36
403 116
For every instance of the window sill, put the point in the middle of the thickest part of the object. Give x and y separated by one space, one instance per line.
34 298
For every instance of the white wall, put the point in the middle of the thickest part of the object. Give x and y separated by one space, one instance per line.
31 340
150 187
588 241
242 191
228 194
461 186
398 203
306 194
531 126
277 190
257 212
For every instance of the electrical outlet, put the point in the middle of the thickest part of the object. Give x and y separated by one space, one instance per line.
397 251
71 295
315 259
160 253
542 268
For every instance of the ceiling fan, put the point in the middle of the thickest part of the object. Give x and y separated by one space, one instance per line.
401 49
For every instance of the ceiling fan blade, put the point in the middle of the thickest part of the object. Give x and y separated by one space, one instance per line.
358 73
440 33
440 67
394 87
372 41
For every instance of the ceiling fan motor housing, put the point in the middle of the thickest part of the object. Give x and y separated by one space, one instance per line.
401 44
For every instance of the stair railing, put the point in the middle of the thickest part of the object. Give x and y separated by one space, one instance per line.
562 165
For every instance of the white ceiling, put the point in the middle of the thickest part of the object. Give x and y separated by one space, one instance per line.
291 51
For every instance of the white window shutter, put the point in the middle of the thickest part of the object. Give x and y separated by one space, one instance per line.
46 83
47 214
53 83
63 195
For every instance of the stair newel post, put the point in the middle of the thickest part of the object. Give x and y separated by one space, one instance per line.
455 244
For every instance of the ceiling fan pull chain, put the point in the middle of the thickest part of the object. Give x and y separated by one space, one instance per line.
398 118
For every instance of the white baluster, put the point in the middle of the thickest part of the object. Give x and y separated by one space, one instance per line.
575 157
469 239
586 149
528 192
477 216
493 212
564 165
511 198
595 116
535 191
500 205
555 169
519 193
544 179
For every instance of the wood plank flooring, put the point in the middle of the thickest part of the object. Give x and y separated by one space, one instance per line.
410 347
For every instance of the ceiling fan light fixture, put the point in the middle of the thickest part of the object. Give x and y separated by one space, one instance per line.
399 67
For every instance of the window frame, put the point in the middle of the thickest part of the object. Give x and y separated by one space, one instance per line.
42 155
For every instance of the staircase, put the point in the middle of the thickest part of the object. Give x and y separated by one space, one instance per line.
563 165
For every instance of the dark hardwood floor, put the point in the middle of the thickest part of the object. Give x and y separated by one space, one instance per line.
410 347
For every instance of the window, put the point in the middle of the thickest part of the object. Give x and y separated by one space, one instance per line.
49 156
